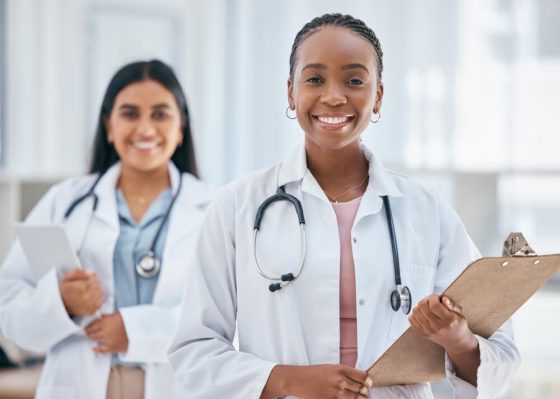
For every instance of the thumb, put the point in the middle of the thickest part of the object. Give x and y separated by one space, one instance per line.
452 306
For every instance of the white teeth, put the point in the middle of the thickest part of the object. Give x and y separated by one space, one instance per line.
145 145
333 120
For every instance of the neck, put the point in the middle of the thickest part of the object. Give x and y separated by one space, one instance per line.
338 170
137 182
343 166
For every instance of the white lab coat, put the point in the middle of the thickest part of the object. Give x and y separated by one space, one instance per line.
32 313
299 324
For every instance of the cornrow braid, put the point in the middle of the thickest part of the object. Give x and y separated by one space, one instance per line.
343 21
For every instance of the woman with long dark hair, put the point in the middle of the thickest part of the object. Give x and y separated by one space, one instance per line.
132 221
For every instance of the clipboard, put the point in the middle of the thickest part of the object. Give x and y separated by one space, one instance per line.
46 247
489 290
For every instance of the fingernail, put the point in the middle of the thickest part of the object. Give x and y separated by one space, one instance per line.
89 272
364 391
369 382
447 301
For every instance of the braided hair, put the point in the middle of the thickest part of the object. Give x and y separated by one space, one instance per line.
343 21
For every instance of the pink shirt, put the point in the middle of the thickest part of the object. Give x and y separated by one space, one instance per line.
345 215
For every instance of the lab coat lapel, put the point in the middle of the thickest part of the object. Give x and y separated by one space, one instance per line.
192 199
107 205
380 184
77 224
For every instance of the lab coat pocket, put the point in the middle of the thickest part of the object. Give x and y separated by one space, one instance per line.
55 392
420 281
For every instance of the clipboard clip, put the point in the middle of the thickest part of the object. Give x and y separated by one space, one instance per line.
517 245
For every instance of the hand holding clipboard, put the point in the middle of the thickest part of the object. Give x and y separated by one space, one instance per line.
46 248
489 291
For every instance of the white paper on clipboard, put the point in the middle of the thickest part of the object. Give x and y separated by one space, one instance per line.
46 247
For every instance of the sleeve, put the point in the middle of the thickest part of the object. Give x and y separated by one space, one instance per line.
202 354
32 313
149 329
498 354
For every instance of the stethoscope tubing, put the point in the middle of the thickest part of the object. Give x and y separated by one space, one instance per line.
394 246
289 278
400 298
152 251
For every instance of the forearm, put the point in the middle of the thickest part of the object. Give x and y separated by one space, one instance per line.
278 383
466 361
34 317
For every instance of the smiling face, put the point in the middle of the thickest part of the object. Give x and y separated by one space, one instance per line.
145 126
335 87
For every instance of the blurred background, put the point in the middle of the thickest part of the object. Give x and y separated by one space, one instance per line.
471 105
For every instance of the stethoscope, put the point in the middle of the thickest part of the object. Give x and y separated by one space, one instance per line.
400 297
148 265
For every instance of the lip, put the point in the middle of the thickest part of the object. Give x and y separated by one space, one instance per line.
145 145
333 121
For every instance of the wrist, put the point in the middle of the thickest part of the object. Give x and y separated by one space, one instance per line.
467 345
281 381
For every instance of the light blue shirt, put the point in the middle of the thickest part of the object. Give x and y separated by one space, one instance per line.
134 241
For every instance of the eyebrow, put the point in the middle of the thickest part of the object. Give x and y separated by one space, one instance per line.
355 66
132 106
161 105
344 67
316 66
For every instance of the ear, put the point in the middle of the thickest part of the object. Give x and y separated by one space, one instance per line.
291 101
378 98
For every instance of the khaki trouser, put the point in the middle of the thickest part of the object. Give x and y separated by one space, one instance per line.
125 382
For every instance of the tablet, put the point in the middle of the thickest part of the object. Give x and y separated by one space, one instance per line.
46 247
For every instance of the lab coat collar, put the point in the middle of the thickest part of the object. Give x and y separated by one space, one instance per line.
295 169
107 204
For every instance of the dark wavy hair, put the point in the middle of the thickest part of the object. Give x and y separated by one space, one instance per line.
104 154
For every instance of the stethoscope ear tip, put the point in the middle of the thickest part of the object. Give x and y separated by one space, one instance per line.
287 277
275 287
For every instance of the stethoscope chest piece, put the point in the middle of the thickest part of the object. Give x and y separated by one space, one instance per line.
148 266
401 299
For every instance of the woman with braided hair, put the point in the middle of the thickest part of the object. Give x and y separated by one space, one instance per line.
315 300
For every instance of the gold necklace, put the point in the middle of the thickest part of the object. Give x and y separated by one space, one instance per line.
336 197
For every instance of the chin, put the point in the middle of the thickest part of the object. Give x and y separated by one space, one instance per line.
146 166
334 144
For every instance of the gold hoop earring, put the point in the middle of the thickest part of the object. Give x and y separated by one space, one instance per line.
378 117
288 115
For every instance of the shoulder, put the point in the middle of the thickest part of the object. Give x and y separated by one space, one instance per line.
419 200
245 192
191 182
74 185
196 191
412 189
57 199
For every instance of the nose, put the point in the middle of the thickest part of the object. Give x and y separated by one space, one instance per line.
145 127
334 94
